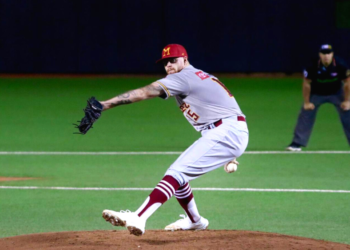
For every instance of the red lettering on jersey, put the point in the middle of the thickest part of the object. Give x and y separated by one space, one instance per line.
184 107
222 85
202 75
193 115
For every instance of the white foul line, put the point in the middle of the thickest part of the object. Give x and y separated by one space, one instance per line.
86 153
159 153
196 189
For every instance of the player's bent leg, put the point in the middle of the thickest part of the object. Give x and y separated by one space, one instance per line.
193 221
130 220
185 198
214 149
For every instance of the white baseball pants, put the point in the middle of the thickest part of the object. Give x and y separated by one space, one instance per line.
214 149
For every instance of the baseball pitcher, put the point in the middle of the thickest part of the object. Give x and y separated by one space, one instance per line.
211 109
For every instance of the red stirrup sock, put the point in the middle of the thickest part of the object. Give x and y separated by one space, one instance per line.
160 194
185 197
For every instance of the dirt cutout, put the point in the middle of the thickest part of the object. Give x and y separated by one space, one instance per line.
153 239
2 178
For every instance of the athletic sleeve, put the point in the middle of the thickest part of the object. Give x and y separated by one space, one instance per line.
174 84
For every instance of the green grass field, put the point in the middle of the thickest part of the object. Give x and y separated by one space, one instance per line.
37 116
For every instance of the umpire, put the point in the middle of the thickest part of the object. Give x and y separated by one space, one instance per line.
327 80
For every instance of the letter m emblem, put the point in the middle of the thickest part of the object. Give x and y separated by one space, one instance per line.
166 52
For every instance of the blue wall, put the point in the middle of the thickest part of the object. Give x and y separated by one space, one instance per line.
125 36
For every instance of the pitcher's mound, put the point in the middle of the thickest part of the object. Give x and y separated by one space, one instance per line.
153 239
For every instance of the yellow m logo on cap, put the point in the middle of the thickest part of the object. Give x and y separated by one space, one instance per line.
166 52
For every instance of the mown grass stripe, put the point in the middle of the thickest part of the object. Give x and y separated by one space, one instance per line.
196 189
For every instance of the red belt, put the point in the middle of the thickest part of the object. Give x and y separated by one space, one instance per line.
219 122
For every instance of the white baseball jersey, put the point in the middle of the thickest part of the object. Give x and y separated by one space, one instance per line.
202 98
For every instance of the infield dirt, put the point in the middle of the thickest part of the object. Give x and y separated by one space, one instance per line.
153 239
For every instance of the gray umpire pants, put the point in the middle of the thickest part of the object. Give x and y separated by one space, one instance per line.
307 118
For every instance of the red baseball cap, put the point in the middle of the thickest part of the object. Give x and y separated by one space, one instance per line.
173 50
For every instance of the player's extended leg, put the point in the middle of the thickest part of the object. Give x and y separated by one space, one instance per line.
344 115
135 222
193 221
306 121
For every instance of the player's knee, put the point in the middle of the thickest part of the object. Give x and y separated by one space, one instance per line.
177 175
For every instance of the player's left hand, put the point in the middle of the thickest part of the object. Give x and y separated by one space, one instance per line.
345 105
92 112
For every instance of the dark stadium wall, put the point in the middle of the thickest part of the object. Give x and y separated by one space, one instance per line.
123 36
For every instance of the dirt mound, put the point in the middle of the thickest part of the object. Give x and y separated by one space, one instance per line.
153 239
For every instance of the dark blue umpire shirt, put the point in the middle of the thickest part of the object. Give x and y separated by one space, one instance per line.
327 80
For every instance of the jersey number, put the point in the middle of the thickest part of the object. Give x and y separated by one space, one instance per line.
193 115
189 112
222 85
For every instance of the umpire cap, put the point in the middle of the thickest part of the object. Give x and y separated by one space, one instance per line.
326 49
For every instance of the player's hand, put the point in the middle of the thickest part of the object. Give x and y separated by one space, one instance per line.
309 106
231 166
345 105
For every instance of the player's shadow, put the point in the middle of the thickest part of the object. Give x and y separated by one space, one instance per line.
159 242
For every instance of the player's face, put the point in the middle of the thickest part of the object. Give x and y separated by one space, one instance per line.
326 59
174 65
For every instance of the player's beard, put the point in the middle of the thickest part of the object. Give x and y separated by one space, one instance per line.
171 71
